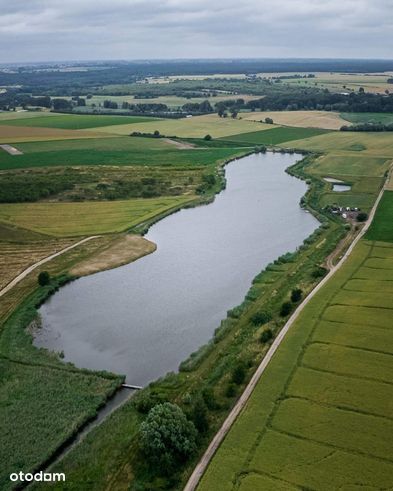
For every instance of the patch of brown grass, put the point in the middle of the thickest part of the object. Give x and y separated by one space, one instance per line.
124 250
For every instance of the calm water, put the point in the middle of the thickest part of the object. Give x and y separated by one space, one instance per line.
340 188
144 318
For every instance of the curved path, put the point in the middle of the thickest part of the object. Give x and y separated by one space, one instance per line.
220 435
31 268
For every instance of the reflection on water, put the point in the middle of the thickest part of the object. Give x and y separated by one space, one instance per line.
144 318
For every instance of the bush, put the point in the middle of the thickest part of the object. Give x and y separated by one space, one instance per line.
286 309
238 374
261 318
199 415
146 400
44 278
210 399
167 438
266 336
296 295
231 390
207 137
362 216
319 272
268 121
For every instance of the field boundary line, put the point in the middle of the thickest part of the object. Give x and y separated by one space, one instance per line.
34 266
203 463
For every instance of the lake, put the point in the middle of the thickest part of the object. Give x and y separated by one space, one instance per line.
144 318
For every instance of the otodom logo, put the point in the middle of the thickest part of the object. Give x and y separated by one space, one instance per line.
38 477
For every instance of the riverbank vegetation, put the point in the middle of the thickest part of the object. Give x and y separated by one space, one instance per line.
333 369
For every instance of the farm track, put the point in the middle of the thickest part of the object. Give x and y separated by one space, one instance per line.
241 403
34 266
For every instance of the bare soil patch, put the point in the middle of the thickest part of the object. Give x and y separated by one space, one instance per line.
11 150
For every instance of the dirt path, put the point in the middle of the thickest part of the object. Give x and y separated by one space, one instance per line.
31 268
222 432
180 145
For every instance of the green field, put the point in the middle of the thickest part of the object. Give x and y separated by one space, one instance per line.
385 118
111 151
320 416
382 226
275 136
87 218
339 142
73 121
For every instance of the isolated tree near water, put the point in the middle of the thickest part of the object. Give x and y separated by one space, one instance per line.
167 437
44 278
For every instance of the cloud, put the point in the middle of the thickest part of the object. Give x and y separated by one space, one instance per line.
40 30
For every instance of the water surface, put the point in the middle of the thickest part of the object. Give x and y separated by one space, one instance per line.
144 318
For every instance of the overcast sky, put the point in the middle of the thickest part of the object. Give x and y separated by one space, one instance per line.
48 30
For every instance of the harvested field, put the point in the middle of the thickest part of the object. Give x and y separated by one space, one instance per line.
340 142
194 127
303 119
124 250
16 257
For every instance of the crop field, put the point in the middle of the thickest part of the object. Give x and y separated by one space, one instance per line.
73 121
346 82
381 228
111 151
302 119
386 118
194 127
338 142
15 134
12 115
275 136
87 218
320 416
350 165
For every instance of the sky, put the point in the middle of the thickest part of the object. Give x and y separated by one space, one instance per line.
60 30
